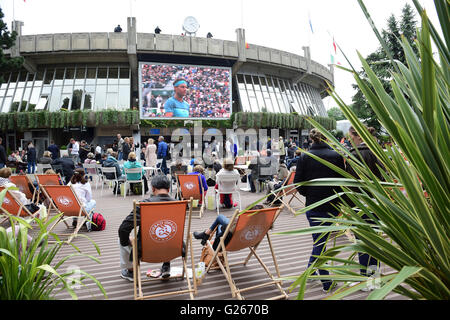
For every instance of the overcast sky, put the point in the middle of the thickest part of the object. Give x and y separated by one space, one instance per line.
279 24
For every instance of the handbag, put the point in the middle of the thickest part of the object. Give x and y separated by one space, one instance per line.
206 256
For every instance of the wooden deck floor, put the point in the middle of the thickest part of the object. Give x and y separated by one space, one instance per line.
292 253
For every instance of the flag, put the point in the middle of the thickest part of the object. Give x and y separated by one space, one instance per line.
247 46
334 46
310 23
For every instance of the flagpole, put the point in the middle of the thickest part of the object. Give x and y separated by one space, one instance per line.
13 10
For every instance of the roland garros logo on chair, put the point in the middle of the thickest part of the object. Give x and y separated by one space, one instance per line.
251 233
163 230
189 185
64 201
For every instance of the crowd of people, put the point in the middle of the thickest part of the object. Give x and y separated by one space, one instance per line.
208 94
273 162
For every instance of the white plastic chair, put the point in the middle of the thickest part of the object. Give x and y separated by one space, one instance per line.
227 184
115 180
158 165
129 181
41 168
95 175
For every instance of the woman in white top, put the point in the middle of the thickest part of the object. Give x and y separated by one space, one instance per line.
82 188
150 153
228 169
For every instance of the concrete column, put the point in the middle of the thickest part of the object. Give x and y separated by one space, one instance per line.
17 27
242 57
132 58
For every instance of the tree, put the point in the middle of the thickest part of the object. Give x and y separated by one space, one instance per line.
380 64
7 40
335 113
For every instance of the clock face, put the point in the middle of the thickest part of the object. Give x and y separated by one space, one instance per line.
190 24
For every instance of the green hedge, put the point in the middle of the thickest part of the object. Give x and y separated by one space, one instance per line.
60 119
280 120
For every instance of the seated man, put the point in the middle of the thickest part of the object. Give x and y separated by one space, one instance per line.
293 162
67 166
160 188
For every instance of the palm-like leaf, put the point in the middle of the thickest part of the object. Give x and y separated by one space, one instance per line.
411 230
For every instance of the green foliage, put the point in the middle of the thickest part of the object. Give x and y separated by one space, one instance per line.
60 119
410 232
380 61
32 271
7 40
335 113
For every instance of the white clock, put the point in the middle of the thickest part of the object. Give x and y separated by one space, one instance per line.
190 25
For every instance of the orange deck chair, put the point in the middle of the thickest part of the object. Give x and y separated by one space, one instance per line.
23 182
250 229
65 201
288 191
12 206
162 231
189 186
52 179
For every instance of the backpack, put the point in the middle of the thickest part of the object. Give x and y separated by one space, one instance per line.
98 222
136 188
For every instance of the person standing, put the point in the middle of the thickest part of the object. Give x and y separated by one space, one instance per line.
162 154
126 148
98 153
282 149
31 158
54 149
84 150
369 265
120 146
150 153
74 151
2 155
308 169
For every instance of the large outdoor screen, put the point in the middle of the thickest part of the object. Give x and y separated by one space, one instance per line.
170 91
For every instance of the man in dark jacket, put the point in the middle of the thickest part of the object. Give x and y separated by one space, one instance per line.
67 166
84 150
54 149
2 155
31 158
309 169
160 188
162 154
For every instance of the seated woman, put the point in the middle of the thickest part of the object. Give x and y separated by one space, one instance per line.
198 169
83 189
279 178
5 173
221 223
132 163
46 158
91 160
228 169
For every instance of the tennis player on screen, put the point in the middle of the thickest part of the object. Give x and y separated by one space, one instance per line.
175 106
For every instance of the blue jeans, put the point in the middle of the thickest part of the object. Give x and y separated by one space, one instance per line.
120 156
221 223
31 165
319 241
2 165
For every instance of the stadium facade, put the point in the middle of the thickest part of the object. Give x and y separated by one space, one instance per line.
97 72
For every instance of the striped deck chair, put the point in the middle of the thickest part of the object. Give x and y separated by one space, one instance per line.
25 185
189 186
162 229
65 201
250 229
12 206
289 191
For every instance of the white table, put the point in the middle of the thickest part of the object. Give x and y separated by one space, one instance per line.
149 171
